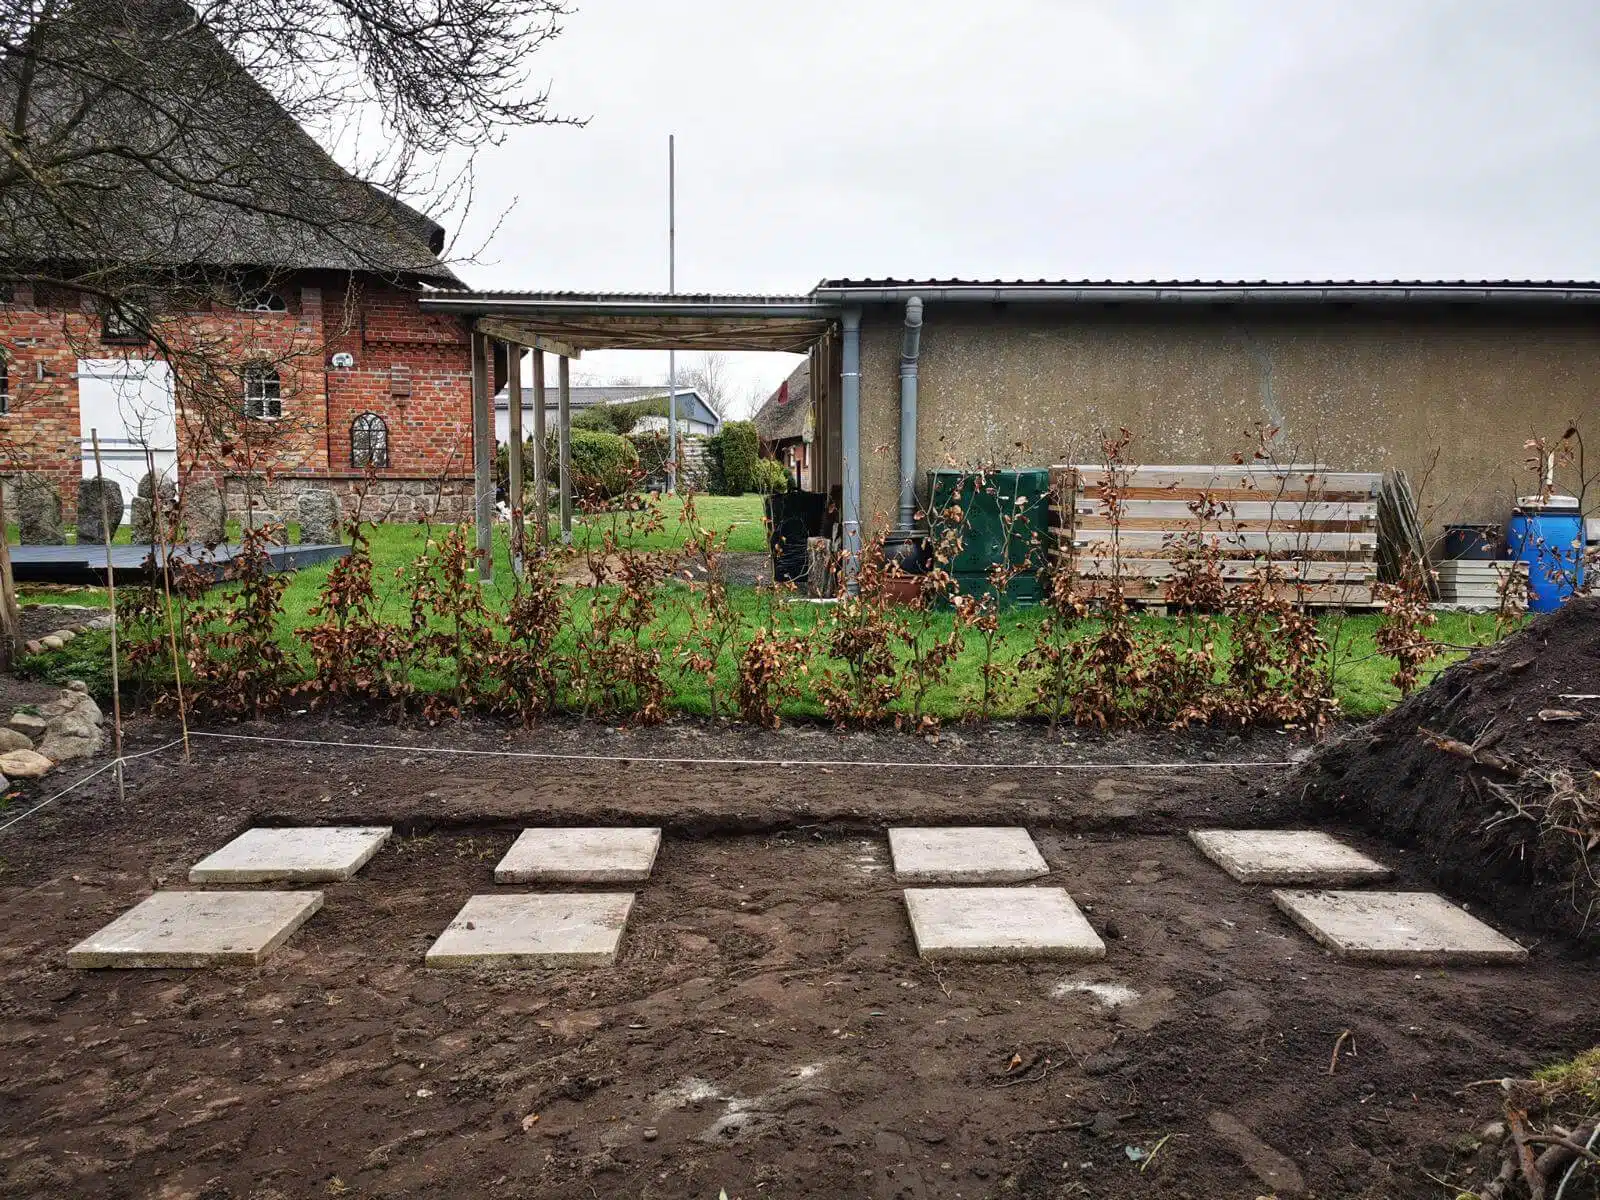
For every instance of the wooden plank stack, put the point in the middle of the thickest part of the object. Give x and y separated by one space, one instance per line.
1319 529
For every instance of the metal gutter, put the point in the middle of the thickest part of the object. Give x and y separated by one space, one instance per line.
1202 294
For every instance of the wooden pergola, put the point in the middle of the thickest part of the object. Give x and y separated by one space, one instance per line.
566 324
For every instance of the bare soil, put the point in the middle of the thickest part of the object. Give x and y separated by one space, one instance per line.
768 1029
1460 812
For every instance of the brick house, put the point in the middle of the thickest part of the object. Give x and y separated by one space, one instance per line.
272 339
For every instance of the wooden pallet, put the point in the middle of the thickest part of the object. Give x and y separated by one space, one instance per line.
1317 529
1476 581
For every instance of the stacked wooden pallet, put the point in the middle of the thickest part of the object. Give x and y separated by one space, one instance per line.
1479 583
1317 528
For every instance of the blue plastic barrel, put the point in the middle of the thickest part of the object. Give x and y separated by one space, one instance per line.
1550 541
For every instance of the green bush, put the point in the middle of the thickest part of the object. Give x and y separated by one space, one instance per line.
733 456
604 465
772 476
653 453
596 420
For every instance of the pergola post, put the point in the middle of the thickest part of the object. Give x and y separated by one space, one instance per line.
482 457
541 469
519 530
564 438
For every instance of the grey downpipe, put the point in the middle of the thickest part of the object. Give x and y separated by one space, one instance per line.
850 438
908 414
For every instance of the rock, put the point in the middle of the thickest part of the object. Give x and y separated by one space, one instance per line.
141 522
78 685
73 738
11 739
24 764
51 642
66 635
203 513
85 706
38 512
94 497
30 724
319 518
151 486
33 647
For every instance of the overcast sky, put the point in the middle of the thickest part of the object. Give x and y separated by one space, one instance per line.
1050 139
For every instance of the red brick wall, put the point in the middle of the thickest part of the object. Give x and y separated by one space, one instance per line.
411 368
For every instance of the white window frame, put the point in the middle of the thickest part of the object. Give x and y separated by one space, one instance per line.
263 392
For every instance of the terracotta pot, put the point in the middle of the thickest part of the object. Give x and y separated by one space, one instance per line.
906 589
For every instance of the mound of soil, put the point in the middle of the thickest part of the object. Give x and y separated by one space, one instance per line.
1493 774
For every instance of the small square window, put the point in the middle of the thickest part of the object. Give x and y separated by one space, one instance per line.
124 322
263 392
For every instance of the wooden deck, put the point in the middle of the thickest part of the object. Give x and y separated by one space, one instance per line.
85 566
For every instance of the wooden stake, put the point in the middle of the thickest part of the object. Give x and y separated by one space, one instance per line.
111 597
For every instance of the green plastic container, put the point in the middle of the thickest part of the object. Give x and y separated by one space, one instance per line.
1005 515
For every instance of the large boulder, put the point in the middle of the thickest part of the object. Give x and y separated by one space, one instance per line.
319 517
38 511
24 764
73 727
203 512
98 498
155 491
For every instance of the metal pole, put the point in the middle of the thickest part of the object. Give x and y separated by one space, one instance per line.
672 287
482 457
850 428
541 467
514 455
564 449
111 599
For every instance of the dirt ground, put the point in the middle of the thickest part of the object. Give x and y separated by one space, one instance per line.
768 1029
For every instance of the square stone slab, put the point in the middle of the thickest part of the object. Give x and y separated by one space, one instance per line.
1286 856
297 855
580 856
555 929
965 855
1000 923
1396 927
197 929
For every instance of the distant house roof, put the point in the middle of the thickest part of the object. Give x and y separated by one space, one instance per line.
783 417
199 166
588 397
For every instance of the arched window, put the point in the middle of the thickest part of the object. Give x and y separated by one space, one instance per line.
369 441
5 385
263 391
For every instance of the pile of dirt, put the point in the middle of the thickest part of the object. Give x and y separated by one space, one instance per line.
1492 773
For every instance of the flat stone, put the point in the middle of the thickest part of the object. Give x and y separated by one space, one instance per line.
24 764
197 929
580 856
51 642
31 724
1286 856
1000 923
298 855
965 855
10 740
1396 927
553 929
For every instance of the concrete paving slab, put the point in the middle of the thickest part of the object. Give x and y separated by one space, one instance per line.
1287 856
197 929
965 855
1000 923
311 854
1396 927
580 856
555 929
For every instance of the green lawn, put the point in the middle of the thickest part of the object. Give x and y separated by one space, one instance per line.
1361 679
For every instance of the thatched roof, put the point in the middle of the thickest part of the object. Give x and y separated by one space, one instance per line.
181 158
783 417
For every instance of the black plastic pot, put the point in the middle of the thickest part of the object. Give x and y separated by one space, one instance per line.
1473 543
793 517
